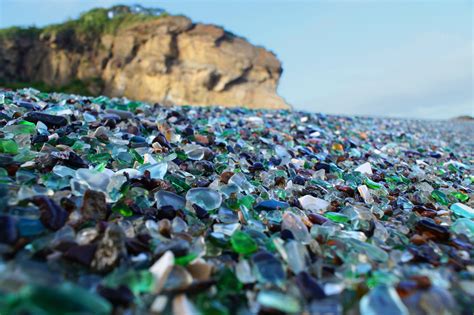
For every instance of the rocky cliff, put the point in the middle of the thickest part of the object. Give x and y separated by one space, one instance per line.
144 56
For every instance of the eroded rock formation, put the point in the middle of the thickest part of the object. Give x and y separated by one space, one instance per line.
166 60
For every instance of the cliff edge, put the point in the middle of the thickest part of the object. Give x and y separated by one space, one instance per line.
145 55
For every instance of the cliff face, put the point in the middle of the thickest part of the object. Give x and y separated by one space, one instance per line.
166 60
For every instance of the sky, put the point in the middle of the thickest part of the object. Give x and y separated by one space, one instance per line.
395 58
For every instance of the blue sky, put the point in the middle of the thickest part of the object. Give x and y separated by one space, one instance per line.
385 58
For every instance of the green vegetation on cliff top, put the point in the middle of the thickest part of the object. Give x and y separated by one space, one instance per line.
17 31
91 23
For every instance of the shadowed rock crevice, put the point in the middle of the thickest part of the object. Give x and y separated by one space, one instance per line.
165 60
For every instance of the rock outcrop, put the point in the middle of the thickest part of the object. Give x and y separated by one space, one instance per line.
168 59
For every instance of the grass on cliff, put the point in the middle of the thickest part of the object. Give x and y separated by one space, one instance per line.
16 31
97 21
94 22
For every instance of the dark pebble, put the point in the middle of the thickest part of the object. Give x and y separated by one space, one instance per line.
74 161
462 244
200 212
121 296
137 245
94 205
286 235
51 214
49 120
137 141
257 166
275 161
435 155
179 247
271 205
309 287
39 139
299 180
346 189
317 218
166 212
8 230
82 254
322 166
188 131
161 139
424 253
6 160
110 123
441 232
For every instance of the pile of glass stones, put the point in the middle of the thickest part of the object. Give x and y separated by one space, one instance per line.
116 206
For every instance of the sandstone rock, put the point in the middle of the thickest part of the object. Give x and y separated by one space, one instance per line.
166 60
